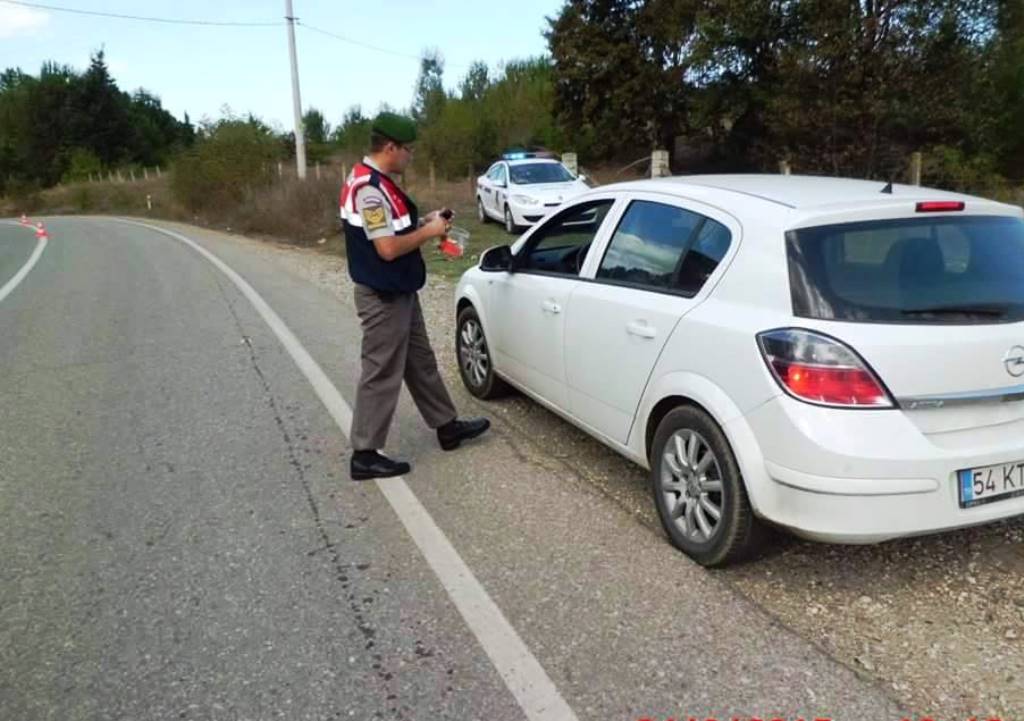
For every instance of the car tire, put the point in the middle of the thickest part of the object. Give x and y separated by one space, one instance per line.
474 357
688 486
510 223
481 214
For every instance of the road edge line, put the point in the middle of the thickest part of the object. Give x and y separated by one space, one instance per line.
522 673
11 284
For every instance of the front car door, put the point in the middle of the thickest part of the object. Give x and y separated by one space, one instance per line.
487 189
500 190
527 306
647 278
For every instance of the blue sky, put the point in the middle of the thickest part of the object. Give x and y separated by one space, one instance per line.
201 69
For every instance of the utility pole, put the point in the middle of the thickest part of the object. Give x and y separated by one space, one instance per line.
300 139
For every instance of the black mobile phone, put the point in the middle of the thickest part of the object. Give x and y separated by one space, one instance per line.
447 213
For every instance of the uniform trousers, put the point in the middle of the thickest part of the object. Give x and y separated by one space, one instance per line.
395 349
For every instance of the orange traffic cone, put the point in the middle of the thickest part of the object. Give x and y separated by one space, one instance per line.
41 232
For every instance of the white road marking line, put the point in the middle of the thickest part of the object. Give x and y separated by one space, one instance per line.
23 271
522 673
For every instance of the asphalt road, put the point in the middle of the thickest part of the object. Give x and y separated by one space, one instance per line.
180 538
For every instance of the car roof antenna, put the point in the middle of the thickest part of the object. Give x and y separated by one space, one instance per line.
888 188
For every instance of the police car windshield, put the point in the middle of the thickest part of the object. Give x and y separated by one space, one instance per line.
530 173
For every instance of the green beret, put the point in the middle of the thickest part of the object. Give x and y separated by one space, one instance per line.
396 127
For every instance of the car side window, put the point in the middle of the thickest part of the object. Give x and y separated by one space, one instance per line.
703 257
663 247
502 178
492 174
560 245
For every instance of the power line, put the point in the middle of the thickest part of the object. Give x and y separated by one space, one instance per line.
361 44
171 21
350 41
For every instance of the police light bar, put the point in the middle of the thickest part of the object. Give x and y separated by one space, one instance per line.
516 156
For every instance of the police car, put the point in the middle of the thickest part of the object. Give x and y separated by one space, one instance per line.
523 187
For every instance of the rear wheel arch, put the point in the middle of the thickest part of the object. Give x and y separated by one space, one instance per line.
661 409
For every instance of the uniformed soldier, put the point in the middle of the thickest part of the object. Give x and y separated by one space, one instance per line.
383 235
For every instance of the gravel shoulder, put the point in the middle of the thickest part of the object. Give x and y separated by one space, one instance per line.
939 620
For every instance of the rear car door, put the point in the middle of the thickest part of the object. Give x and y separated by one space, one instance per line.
650 275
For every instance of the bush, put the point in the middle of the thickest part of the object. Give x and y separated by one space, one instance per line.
231 159
949 168
25 195
298 211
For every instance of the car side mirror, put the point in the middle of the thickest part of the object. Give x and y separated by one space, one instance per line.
496 260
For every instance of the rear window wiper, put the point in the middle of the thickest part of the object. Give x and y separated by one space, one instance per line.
994 310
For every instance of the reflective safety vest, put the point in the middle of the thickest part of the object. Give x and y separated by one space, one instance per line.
405 274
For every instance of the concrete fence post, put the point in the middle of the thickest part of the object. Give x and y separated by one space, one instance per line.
145 173
131 174
318 170
158 174
280 169
570 161
915 168
784 168
659 164
433 176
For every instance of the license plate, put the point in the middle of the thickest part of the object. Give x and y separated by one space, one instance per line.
990 483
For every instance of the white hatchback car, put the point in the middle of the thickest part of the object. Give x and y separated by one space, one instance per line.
518 191
840 358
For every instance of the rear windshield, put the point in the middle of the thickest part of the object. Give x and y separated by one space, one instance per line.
529 173
942 269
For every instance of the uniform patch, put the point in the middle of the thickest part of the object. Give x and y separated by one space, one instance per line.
374 218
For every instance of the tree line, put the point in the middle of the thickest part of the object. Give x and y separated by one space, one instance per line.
846 87
63 125
839 87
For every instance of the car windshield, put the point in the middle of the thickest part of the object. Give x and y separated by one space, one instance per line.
966 269
531 173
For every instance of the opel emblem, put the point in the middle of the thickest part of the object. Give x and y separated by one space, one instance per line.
1013 361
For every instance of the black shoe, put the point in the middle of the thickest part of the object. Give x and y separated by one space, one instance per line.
451 435
370 464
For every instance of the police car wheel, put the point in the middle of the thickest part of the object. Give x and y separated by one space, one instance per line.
510 223
474 357
698 490
481 214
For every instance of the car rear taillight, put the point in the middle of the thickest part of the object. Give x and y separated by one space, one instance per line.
939 206
821 370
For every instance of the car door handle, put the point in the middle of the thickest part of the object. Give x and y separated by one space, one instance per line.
550 306
641 329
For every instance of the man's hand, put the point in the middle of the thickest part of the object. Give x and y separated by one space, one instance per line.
446 213
436 226
395 246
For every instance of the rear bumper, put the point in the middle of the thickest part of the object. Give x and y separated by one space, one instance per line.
863 476
867 511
